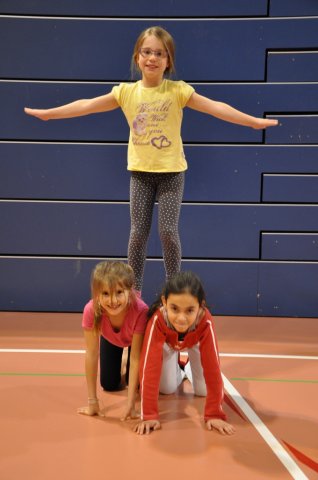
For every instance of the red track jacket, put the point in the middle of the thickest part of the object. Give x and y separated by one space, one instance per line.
157 333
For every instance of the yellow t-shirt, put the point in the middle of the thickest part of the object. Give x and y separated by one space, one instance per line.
154 116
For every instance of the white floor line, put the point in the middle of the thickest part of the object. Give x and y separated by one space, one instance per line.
265 433
37 350
234 355
264 355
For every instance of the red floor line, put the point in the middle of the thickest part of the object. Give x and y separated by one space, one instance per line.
302 457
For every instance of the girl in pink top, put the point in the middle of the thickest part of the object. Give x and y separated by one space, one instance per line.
114 318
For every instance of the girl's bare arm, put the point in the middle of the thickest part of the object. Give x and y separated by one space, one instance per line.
226 112
133 375
79 108
91 368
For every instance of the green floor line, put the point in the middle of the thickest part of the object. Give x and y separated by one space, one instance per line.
244 379
27 374
253 379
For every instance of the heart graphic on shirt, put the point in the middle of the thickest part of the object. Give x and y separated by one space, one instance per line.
160 142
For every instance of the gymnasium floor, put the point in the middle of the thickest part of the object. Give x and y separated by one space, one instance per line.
270 368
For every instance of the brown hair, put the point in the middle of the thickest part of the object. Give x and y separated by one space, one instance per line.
112 274
167 41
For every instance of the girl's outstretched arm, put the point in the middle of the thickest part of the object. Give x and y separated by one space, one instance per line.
91 367
79 108
136 345
226 112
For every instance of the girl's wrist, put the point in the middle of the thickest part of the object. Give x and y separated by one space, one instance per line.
131 403
92 400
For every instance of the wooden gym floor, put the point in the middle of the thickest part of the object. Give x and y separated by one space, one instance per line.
270 368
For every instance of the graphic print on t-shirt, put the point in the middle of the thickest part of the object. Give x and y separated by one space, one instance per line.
149 122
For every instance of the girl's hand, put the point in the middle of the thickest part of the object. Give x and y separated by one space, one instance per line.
264 123
91 410
146 426
41 114
220 425
130 413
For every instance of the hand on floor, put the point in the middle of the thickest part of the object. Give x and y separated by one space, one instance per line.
90 410
220 425
146 426
130 413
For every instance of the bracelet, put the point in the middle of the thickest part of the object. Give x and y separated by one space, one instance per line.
92 401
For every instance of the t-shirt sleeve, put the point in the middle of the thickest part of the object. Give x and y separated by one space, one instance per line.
88 316
118 92
184 93
141 321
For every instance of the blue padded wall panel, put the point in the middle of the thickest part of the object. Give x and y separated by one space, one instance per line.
236 50
231 173
98 172
254 99
26 42
286 8
288 289
217 173
231 287
225 224
37 284
93 229
110 126
289 246
142 8
46 228
62 284
292 188
64 171
292 66
197 127
233 231
299 129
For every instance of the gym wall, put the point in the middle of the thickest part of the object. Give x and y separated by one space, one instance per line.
249 220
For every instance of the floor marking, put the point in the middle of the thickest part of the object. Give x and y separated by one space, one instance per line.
189 376
286 380
264 355
265 433
234 355
28 374
38 350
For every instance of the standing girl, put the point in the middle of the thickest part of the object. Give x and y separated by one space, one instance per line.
153 108
115 318
179 322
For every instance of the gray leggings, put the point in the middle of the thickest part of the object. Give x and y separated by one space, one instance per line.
144 188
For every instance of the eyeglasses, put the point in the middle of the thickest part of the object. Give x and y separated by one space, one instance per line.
147 52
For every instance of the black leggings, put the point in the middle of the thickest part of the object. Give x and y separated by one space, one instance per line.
110 365
144 188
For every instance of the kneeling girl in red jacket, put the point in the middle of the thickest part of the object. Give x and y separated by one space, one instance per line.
179 321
